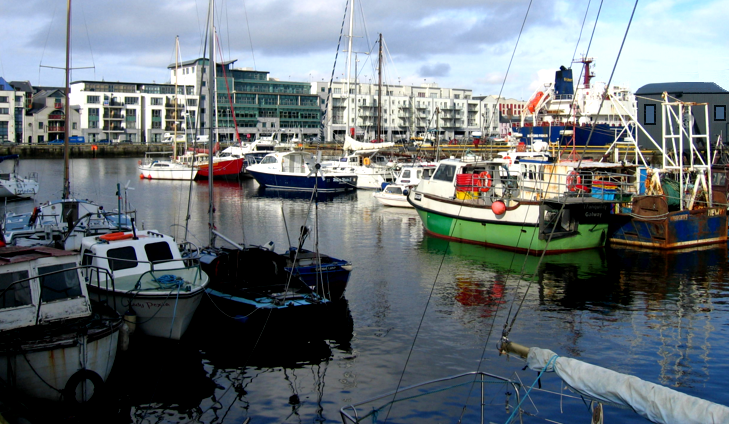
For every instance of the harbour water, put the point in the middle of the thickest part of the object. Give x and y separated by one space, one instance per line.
417 308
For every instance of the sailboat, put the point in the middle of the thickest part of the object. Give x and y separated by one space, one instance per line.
164 165
248 283
12 185
55 342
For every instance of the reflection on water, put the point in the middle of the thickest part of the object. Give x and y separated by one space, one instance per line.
659 316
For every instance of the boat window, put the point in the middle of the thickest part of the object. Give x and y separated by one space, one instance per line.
59 284
445 173
718 179
122 258
158 251
293 163
12 295
269 159
405 173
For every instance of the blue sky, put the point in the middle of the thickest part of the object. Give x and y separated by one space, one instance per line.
459 43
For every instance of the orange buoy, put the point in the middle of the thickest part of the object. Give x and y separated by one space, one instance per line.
498 207
116 236
141 176
484 182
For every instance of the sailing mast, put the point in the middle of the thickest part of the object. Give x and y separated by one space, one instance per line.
174 133
209 118
349 68
66 179
379 94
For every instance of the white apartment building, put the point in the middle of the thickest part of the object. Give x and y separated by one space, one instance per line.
12 113
133 112
407 111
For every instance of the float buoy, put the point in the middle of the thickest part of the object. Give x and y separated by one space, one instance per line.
69 391
498 207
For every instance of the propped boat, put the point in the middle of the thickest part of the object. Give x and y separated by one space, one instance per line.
63 222
12 185
150 279
299 171
55 343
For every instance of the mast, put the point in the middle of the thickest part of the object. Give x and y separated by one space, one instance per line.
66 179
174 132
379 93
209 118
349 66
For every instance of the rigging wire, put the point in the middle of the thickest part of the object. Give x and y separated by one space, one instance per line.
48 35
331 79
250 38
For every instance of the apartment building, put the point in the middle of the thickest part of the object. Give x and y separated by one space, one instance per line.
406 111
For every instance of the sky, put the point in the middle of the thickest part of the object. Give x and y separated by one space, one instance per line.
507 47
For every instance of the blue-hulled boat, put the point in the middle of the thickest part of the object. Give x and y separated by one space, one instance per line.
299 171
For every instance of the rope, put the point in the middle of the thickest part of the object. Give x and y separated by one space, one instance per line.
169 281
331 80
526 395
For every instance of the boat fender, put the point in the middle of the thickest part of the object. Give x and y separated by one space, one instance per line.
573 180
498 207
69 392
484 182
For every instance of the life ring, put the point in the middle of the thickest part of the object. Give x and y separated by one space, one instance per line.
69 391
115 236
483 182
366 161
509 159
573 180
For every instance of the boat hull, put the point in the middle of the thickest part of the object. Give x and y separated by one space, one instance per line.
676 230
159 173
518 229
602 136
325 183
223 169
389 199
163 314
43 368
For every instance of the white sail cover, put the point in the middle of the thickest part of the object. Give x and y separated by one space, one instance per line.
652 401
354 145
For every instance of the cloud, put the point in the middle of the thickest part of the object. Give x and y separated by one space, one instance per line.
436 70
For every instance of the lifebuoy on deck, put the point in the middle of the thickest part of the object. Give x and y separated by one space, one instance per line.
366 161
69 392
116 236
33 216
483 182
573 180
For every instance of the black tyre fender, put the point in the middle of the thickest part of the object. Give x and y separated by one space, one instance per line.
69 392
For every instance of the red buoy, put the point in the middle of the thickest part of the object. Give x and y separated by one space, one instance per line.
498 207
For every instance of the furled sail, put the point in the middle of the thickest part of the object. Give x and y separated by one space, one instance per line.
652 401
354 145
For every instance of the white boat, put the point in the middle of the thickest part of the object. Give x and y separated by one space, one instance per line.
12 185
159 166
300 171
62 223
372 170
54 344
150 280
397 194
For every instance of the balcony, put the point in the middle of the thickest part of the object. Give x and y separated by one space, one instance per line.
58 105
178 105
113 103
113 115
172 127
56 128
117 128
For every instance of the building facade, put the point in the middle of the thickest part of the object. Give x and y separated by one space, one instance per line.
12 113
406 111
650 98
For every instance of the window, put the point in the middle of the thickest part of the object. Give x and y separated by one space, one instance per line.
59 284
337 91
155 101
719 113
421 94
122 258
41 139
40 125
131 100
4 111
93 99
192 102
4 99
158 251
74 126
4 130
156 113
12 294
649 112
445 173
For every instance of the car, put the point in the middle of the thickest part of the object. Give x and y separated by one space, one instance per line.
104 141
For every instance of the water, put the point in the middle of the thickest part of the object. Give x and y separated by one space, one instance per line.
661 317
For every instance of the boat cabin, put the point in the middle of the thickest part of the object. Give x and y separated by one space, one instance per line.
40 285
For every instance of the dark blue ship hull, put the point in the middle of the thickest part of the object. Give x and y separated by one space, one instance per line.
326 184
603 135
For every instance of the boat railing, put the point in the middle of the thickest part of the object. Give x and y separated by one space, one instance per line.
469 395
541 185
